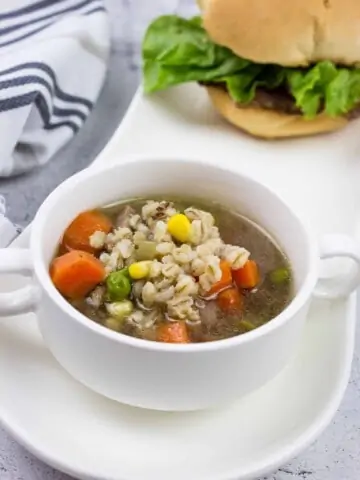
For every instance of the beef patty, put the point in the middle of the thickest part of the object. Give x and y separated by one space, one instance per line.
282 101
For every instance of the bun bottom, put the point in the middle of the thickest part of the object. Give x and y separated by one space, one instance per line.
271 124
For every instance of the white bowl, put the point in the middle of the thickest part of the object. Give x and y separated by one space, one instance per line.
156 375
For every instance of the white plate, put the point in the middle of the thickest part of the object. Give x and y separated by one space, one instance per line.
88 436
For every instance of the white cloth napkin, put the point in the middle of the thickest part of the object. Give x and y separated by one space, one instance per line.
8 231
53 56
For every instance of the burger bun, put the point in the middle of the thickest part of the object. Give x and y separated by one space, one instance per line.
270 124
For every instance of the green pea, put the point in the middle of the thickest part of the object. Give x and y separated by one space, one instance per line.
118 285
125 271
279 276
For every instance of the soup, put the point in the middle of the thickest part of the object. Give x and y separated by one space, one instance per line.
172 270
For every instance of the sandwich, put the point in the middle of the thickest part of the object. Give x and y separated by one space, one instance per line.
273 68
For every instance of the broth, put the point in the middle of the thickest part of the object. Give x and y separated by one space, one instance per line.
232 310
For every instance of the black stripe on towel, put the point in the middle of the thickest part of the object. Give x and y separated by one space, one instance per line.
38 99
42 107
38 30
30 8
95 10
66 97
84 3
17 102
33 80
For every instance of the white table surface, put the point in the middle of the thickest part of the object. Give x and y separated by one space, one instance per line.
336 455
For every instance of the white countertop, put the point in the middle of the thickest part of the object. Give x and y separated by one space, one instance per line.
336 455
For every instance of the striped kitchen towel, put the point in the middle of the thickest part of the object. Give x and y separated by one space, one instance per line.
53 56
8 231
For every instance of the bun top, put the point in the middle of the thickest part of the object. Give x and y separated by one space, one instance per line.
286 32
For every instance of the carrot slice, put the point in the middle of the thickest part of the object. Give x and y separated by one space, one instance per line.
76 273
248 276
225 280
77 235
230 300
174 332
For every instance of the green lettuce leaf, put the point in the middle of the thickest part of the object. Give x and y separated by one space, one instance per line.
242 87
325 86
177 50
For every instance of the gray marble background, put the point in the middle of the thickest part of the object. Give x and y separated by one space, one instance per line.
336 455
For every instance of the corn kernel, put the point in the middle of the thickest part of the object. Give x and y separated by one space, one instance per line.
179 227
139 270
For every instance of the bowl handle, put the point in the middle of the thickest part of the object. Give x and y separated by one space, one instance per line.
341 285
22 300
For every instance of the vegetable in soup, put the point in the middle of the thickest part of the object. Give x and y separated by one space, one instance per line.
172 271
